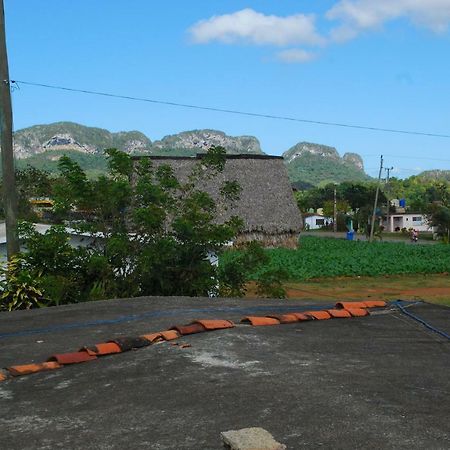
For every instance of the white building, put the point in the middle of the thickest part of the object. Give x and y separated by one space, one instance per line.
316 221
397 221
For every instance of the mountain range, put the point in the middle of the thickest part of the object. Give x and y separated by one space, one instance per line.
308 164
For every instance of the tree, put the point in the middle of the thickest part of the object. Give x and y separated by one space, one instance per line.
439 209
151 233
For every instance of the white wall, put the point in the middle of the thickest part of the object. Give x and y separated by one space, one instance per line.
416 221
315 222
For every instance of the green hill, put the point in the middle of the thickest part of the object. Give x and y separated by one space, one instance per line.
314 164
42 145
435 175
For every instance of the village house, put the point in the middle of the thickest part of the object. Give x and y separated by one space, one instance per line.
316 221
399 221
266 204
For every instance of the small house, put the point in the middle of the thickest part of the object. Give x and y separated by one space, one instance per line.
316 221
399 221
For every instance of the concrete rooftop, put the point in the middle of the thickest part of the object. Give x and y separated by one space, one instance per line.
371 382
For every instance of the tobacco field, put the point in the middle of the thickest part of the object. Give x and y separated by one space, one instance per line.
328 257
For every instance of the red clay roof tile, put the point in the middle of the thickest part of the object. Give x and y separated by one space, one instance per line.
215 324
375 303
300 316
339 313
170 335
358 312
285 318
127 343
26 369
346 305
318 315
152 337
189 329
72 358
260 321
106 348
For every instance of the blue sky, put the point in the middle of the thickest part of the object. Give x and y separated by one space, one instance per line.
381 63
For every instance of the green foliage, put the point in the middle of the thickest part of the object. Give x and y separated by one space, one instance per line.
321 257
19 288
315 169
93 164
150 234
236 267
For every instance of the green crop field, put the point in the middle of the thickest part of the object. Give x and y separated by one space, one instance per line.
322 257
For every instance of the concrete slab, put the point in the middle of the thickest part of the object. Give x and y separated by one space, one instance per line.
369 382
250 439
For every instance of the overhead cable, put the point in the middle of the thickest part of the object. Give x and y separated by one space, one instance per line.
231 111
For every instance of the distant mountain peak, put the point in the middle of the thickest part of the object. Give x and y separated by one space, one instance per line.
72 136
303 148
202 140
312 164
355 159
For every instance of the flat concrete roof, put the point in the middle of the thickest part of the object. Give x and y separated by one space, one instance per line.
371 382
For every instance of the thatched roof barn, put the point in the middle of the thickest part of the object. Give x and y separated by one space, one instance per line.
266 205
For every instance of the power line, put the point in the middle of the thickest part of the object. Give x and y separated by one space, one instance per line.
409 157
232 111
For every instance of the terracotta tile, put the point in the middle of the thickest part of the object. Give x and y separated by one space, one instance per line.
300 316
89 350
127 343
107 348
72 358
189 329
170 335
339 313
285 318
260 321
375 303
215 324
318 315
26 369
346 305
358 312
153 337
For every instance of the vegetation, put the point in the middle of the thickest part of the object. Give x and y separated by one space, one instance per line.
429 197
20 289
95 138
318 165
151 234
322 257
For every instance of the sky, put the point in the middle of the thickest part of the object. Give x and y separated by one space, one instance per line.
383 63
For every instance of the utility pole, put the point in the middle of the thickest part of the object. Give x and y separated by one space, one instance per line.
372 224
6 142
388 215
334 212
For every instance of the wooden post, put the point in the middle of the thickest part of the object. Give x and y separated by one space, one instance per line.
372 224
6 137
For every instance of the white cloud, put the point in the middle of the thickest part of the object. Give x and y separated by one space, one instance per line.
249 26
359 15
295 55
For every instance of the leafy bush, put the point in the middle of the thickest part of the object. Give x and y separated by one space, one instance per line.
19 288
150 234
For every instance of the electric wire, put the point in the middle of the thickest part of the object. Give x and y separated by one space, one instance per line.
230 111
399 305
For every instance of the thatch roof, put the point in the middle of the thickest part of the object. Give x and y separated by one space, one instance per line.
266 201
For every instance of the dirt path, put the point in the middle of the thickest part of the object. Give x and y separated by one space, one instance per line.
432 288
